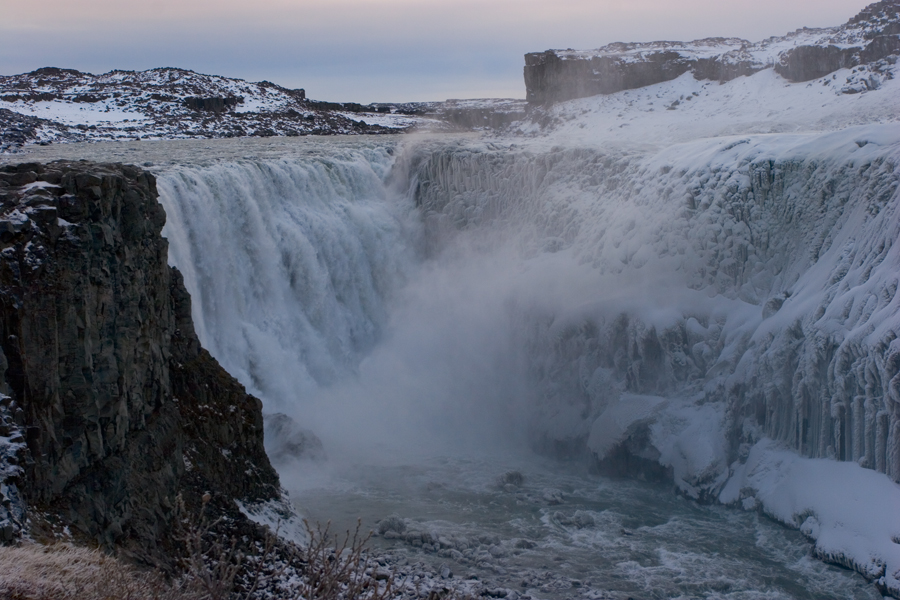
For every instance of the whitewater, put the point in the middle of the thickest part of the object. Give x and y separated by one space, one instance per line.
651 354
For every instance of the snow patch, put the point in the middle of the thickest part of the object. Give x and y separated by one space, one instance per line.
852 513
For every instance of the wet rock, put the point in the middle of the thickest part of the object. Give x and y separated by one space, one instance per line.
552 496
286 440
581 519
511 481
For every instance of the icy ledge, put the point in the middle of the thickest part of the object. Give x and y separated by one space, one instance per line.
851 513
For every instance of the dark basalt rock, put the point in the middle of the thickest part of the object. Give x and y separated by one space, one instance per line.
122 409
550 78
218 104
811 62
805 63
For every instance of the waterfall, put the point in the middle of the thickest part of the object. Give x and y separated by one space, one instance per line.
290 262
683 303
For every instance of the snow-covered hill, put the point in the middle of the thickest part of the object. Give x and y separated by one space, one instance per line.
51 104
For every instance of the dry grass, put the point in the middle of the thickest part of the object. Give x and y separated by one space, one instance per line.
62 571
330 567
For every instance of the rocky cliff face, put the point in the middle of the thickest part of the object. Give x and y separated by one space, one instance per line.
112 408
806 54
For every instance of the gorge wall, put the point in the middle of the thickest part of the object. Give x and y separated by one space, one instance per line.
684 312
110 406
759 281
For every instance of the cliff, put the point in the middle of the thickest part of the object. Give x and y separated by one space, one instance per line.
804 55
111 408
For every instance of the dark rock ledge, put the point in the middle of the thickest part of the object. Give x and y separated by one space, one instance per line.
109 406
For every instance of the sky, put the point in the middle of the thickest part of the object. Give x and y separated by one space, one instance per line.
372 50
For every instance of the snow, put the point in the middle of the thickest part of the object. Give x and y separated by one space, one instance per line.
763 103
620 420
75 113
279 516
38 185
635 52
852 513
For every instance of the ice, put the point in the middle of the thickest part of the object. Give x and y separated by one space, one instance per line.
620 420
852 513
691 300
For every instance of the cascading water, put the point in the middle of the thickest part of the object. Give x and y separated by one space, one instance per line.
433 311
289 263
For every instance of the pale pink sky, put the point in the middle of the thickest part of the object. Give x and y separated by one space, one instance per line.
371 50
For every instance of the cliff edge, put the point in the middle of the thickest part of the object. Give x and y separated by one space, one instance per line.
110 408
803 55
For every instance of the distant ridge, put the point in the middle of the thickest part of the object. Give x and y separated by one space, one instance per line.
53 104
805 54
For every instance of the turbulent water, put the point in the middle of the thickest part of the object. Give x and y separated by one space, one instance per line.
437 311
566 534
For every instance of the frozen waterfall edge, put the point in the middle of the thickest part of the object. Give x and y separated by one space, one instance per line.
771 342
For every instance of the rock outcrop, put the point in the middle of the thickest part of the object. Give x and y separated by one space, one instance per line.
119 409
556 75
216 104
805 54
805 63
